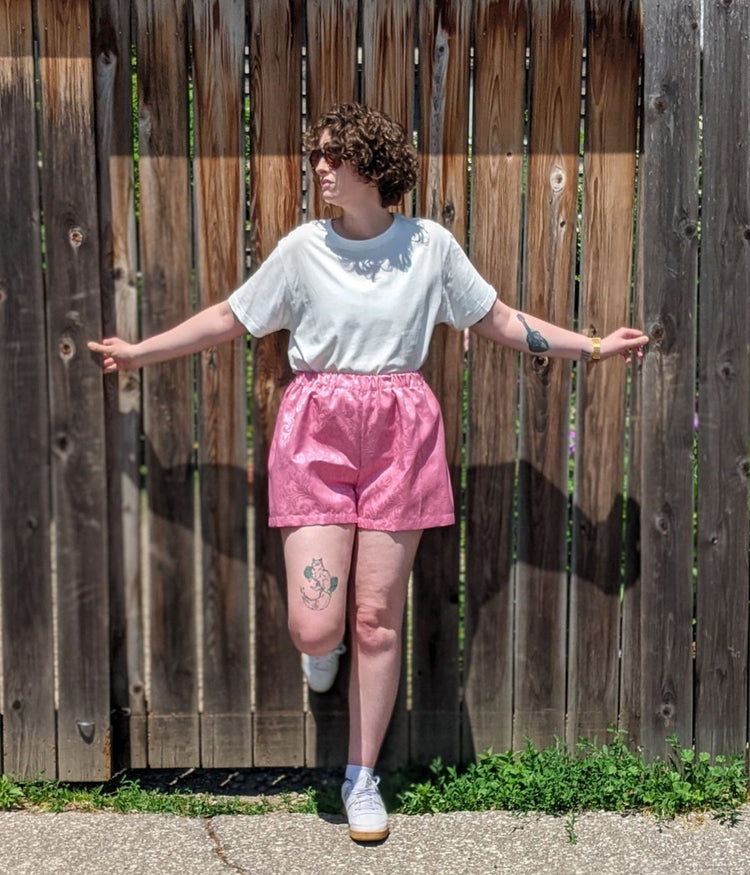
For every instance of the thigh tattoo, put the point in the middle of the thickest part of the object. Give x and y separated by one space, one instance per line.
318 587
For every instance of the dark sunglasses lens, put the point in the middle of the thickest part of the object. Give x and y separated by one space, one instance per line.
331 159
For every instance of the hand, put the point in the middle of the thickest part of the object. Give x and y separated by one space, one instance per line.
117 354
624 342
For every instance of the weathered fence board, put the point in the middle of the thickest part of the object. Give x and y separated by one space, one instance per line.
165 253
28 741
724 417
387 68
331 66
275 50
629 714
69 202
496 221
607 245
218 69
541 603
444 45
669 211
114 144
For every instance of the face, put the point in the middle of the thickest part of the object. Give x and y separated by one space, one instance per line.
340 184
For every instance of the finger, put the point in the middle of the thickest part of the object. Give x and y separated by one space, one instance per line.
97 347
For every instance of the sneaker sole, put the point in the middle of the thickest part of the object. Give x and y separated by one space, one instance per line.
376 836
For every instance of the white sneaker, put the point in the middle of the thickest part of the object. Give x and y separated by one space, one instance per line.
321 671
368 819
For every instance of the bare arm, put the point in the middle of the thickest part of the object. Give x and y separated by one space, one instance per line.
209 327
526 333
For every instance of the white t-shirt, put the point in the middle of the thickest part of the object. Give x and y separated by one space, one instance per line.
363 306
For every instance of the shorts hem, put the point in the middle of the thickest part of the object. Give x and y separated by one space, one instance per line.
430 522
311 519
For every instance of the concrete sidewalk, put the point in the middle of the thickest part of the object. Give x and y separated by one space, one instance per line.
304 844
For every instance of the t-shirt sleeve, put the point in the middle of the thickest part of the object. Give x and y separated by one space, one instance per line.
467 296
263 302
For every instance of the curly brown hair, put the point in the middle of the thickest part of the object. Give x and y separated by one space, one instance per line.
376 146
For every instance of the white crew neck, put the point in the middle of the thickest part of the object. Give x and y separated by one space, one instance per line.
366 243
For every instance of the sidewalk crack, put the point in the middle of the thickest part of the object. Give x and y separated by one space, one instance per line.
219 849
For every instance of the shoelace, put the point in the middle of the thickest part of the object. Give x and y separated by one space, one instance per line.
364 797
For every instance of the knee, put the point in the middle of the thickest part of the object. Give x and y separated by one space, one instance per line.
374 631
315 641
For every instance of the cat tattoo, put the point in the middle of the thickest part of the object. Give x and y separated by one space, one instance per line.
318 587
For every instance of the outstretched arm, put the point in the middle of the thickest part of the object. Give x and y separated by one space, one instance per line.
526 333
209 327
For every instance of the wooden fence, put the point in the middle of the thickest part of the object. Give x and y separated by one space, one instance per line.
150 156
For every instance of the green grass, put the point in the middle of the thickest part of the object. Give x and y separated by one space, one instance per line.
556 780
129 796
607 777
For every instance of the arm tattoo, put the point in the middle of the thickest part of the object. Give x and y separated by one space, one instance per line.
537 343
318 587
585 355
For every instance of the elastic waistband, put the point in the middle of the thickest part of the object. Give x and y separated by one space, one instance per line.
360 381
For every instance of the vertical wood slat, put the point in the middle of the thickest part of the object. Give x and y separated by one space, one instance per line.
444 44
608 201
724 429
331 68
629 714
114 134
497 168
275 75
218 59
556 47
669 248
331 79
388 85
28 729
388 64
69 202
168 388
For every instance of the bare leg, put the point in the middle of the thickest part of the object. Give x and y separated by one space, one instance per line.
382 564
317 560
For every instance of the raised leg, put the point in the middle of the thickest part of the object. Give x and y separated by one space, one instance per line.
317 559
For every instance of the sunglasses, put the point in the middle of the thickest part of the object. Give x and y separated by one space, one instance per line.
332 157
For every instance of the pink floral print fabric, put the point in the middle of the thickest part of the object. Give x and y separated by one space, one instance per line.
367 449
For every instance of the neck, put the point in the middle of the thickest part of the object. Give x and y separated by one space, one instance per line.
363 225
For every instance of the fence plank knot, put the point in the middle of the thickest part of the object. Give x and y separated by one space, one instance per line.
67 348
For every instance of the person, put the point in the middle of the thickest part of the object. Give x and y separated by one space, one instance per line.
357 465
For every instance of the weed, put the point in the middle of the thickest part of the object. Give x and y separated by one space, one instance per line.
11 795
606 777
129 796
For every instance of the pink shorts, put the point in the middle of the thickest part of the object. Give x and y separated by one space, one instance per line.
359 448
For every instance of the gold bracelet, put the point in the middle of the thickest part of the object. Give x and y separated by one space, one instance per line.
596 354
